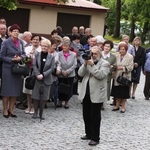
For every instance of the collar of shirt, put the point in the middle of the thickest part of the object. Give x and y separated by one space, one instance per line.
105 56
3 37
66 54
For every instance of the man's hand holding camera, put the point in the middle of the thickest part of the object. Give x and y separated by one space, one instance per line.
89 62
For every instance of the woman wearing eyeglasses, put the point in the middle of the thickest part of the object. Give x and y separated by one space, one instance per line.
12 51
43 66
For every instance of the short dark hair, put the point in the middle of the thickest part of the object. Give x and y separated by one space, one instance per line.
76 36
54 31
59 29
53 41
34 35
109 42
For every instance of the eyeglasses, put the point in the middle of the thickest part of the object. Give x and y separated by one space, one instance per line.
16 31
44 46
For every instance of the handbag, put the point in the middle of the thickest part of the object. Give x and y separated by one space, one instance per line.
124 81
64 88
54 72
20 69
134 75
30 82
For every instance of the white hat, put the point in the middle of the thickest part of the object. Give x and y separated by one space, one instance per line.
100 39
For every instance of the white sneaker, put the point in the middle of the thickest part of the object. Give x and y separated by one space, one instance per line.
31 112
27 111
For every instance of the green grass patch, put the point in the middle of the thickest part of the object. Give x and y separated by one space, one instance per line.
116 40
146 46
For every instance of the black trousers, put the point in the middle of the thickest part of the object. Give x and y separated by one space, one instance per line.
92 118
147 85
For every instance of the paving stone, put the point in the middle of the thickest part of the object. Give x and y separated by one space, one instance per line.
63 128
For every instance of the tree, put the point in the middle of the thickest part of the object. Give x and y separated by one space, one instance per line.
134 13
137 12
118 15
12 4
97 2
9 4
110 19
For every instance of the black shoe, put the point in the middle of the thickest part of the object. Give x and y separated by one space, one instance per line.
115 109
12 115
42 118
34 116
57 106
6 116
85 138
66 107
45 106
147 98
133 97
122 111
76 93
112 104
93 143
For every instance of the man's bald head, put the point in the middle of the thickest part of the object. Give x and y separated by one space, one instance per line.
3 29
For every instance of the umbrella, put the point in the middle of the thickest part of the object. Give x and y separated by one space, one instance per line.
56 93
41 92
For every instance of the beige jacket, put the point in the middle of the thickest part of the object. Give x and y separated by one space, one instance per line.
97 76
127 64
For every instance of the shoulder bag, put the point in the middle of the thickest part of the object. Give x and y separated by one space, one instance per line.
124 81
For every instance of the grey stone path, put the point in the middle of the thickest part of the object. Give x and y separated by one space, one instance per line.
63 128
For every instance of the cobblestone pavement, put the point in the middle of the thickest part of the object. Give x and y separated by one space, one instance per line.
63 128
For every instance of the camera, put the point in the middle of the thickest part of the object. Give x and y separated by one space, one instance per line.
86 54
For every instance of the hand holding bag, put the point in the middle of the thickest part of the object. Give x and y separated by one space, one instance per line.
124 81
64 88
20 69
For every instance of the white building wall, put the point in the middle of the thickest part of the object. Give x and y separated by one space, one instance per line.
43 20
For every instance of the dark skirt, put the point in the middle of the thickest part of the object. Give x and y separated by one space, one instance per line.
136 73
11 83
120 92
69 80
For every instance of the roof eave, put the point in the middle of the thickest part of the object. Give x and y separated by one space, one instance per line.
63 6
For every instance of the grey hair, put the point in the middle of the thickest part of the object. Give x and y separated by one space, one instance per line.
123 36
96 47
48 42
66 42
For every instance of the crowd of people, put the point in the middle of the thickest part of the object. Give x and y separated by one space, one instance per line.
67 60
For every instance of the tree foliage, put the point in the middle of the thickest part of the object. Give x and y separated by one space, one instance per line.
9 4
110 19
99 2
135 14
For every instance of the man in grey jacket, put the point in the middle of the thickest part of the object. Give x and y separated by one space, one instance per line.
94 92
